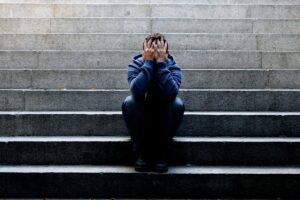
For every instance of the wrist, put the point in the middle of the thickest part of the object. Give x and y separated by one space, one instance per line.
161 60
148 59
149 62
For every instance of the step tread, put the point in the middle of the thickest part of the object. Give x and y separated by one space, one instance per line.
129 51
197 170
186 33
136 18
125 69
127 138
275 113
147 4
108 90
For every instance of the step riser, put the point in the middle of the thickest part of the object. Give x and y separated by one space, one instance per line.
111 100
117 79
267 42
141 185
114 125
231 11
196 153
146 10
77 25
120 59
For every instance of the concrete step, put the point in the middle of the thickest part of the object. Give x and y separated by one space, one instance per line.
146 25
100 123
117 79
84 181
272 2
149 10
58 150
268 2
111 100
201 41
187 59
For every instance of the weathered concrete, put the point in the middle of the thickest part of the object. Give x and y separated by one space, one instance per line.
209 41
150 10
202 59
272 2
133 41
120 59
12 100
146 25
73 10
117 79
222 125
247 124
12 79
226 11
185 150
18 59
110 100
277 60
85 181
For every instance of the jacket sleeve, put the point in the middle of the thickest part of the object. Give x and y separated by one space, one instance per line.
168 79
139 78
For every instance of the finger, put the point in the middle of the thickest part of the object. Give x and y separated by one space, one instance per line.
152 45
145 45
149 43
165 47
158 43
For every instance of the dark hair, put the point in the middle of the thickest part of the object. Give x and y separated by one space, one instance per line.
157 36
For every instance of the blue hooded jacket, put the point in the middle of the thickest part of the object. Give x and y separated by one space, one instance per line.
155 81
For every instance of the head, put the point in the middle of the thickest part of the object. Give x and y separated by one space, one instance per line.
156 36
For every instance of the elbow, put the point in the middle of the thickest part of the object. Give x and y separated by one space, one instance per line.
171 92
137 92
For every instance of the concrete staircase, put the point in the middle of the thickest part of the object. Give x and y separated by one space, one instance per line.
63 72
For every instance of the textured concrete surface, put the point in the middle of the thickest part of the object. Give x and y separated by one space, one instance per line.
243 182
150 10
145 25
193 59
110 100
117 79
272 2
230 52
192 79
83 123
55 150
201 41
73 10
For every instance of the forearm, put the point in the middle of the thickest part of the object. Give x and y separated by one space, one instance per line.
140 81
168 81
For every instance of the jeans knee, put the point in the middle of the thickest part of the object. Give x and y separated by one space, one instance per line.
128 101
178 104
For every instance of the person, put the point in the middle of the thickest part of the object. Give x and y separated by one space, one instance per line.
153 112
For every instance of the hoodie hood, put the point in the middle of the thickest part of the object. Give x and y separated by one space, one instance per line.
139 60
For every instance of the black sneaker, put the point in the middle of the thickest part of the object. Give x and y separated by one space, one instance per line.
160 166
142 165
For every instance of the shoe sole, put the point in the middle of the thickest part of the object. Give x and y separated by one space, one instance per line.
142 169
159 170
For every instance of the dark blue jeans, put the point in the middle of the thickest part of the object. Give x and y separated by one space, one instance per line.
152 125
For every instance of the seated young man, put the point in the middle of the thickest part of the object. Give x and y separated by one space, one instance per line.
153 112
